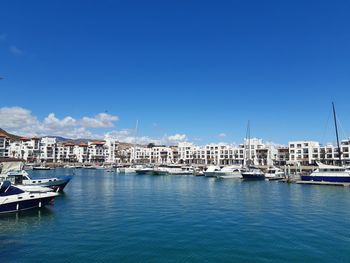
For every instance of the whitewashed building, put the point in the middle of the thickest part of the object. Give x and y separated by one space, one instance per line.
4 145
48 149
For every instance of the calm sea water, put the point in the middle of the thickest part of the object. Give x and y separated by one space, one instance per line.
106 217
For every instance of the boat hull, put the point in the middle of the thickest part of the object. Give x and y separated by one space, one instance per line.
210 174
41 168
253 176
57 184
229 176
333 179
25 205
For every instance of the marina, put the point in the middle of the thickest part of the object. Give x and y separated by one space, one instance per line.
153 218
174 131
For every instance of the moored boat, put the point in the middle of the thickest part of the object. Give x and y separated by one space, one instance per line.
230 172
145 170
328 173
211 171
274 172
253 173
13 199
13 172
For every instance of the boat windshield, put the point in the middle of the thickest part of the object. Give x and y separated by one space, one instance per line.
332 170
7 189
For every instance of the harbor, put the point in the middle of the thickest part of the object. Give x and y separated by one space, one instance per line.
102 216
174 131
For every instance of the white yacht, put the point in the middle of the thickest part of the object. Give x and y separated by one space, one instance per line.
212 171
183 170
274 172
328 173
129 169
229 172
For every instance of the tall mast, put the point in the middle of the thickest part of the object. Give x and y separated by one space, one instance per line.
336 133
248 138
135 134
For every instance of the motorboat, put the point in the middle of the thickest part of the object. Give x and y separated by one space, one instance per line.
184 170
129 169
145 170
151 171
13 172
328 173
253 173
13 199
229 172
212 171
274 172
67 166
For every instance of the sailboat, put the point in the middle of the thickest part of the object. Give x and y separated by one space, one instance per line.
133 167
330 173
251 172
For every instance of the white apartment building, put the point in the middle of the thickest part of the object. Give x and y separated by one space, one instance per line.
4 145
308 152
25 148
81 152
48 149
301 151
138 154
97 151
161 155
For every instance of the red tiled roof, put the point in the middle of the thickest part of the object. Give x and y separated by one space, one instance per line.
4 135
98 143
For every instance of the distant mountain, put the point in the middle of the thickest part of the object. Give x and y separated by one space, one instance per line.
75 141
58 138
12 136
63 139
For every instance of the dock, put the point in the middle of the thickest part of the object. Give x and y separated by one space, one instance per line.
323 183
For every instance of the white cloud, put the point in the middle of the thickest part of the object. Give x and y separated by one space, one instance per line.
274 144
129 137
102 120
177 138
52 122
15 50
17 117
222 135
22 122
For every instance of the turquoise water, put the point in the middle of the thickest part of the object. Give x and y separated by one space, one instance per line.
105 217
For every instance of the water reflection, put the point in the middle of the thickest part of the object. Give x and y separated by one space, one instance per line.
17 222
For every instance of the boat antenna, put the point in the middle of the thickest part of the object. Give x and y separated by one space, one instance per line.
336 133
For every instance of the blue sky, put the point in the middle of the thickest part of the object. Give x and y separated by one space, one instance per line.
194 68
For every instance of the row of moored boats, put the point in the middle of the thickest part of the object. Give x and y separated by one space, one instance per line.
19 192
